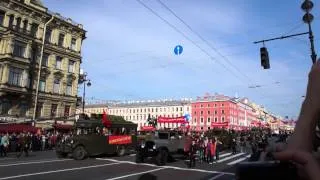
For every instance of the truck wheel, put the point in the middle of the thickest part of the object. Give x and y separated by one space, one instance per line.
121 151
162 157
61 155
79 153
139 158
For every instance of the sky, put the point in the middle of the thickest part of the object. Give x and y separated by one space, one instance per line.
129 51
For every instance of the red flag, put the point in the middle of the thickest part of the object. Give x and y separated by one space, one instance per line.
105 121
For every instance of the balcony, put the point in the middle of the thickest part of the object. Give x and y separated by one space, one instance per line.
24 31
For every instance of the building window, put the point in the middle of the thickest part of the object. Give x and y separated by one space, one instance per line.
222 111
45 59
11 19
208 105
69 87
215 105
201 105
215 119
56 86
208 120
54 110
2 15
71 66
42 85
201 120
201 128
66 111
18 23
15 76
195 112
156 109
23 110
39 110
5 108
48 35
201 112
208 128
208 112
222 105
74 44
215 112
180 108
19 49
61 40
222 119
25 25
34 29
58 62
195 120
177 109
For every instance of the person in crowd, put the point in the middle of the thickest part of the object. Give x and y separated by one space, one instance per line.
234 146
218 147
209 152
192 154
4 143
23 145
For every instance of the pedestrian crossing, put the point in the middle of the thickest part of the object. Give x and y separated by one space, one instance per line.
230 159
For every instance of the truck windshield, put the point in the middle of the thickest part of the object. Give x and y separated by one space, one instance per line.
163 136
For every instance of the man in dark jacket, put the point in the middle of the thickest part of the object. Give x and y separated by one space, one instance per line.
192 154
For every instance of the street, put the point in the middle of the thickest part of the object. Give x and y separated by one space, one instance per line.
45 165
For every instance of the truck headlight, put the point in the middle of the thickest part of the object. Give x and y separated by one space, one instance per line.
71 142
154 147
143 145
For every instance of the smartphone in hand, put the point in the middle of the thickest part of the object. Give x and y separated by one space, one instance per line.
270 170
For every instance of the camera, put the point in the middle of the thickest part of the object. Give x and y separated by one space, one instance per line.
269 170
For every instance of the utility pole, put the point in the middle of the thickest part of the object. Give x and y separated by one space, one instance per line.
40 66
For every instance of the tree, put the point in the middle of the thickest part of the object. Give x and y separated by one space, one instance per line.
152 121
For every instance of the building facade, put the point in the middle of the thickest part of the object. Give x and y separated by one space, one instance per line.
21 33
138 111
219 109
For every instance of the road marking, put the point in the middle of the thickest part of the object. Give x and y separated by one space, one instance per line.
132 154
139 173
230 157
56 171
33 162
239 160
169 167
216 177
6 159
226 154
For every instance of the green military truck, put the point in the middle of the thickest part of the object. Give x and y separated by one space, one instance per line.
89 140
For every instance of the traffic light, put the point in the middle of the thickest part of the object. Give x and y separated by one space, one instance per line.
265 63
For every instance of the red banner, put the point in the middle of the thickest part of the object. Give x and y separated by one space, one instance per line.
120 140
148 128
215 124
171 120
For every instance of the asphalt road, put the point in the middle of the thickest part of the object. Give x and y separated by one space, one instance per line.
46 166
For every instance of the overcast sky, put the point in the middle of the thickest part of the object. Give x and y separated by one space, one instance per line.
128 52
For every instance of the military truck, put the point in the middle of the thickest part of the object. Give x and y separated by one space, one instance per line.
161 146
89 140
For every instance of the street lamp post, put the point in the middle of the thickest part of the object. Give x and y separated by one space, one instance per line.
306 6
86 82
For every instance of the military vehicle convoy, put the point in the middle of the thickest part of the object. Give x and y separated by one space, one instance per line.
87 141
161 146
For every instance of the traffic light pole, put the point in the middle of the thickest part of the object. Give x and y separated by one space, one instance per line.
281 37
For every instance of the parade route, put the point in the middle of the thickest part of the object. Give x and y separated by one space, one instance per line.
44 165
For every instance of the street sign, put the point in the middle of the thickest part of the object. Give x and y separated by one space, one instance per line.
178 50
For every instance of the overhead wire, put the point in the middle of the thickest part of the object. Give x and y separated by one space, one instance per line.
185 36
204 40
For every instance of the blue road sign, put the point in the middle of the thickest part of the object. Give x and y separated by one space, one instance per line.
178 50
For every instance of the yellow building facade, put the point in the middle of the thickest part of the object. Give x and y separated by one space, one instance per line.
22 25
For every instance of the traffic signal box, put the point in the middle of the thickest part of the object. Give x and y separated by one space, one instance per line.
265 63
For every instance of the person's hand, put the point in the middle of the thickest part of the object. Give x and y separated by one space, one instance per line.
303 160
313 89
